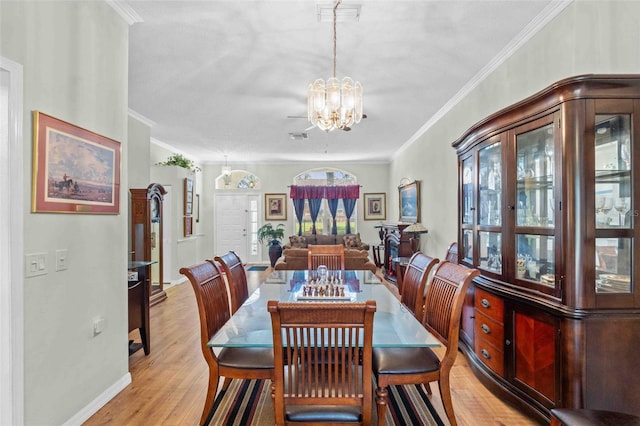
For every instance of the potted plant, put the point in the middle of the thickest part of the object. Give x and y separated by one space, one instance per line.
180 161
272 236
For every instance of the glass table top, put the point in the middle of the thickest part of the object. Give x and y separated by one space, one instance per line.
393 324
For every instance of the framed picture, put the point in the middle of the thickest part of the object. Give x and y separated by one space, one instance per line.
188 196
409 196
74 170
275 206
188 226
375 206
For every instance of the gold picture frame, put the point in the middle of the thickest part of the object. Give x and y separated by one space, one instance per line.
74 170
375 205
275 206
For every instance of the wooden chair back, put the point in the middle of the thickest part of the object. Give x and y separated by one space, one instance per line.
332 256
236 278
443 306
323 371
414 281
452 253
212 299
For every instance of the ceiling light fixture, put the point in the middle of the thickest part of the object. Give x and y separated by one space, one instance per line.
334 104
226 172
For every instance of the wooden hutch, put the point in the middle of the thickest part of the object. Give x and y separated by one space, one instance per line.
548 211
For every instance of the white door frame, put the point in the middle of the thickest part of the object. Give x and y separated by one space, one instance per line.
11 245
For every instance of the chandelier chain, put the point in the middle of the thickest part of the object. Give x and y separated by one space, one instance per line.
335 37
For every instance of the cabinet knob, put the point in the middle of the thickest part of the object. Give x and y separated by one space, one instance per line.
511 207
485 353
507 342
485 328
485 303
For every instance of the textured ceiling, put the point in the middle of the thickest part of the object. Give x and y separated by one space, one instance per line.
223 77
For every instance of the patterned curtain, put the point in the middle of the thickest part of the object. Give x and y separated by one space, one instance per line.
349 194
333 199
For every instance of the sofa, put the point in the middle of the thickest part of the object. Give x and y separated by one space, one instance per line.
295 253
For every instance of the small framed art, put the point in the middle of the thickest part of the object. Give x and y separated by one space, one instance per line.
275 206
188 226
188 196
375 206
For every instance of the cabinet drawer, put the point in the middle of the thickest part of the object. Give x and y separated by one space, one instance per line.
489 329
490 305
490 356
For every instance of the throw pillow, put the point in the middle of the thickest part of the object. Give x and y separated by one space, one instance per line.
298 241
351 241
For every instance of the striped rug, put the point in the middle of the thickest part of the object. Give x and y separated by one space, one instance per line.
248 402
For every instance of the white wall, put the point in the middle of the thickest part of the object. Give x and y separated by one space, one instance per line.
585 38
75 57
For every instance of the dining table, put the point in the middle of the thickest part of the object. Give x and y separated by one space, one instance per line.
393 325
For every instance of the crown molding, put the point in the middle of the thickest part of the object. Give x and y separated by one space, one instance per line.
539 22
141 118
125 11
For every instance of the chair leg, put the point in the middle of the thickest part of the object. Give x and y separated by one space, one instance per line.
227 382
445 394
381 403
211 396
427 388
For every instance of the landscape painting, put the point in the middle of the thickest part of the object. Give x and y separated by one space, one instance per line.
75 170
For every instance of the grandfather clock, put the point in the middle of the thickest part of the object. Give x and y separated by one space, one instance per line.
146 235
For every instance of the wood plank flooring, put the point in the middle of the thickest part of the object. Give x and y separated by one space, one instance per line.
169 385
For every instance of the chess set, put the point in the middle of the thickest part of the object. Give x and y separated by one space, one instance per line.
323 291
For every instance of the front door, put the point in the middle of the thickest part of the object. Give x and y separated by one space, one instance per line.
237 225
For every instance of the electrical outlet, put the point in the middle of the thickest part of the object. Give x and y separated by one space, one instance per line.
35 264
62 259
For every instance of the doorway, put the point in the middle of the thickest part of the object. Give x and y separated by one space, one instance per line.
11 244
236 219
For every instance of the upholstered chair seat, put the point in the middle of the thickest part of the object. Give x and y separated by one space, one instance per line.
249 358
404 360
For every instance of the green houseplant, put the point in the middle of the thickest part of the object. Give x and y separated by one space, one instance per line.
271 235
180 161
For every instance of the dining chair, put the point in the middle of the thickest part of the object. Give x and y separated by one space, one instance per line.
213 308
452 253
401 366
236 278
414 281
323 369
332 256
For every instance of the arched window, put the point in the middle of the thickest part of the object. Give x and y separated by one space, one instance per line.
327 177
238 179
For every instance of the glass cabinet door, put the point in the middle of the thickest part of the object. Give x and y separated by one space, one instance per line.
490 185
535 205
613 203
468 208
490 208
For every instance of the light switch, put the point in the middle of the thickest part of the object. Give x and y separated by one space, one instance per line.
62 259
35 264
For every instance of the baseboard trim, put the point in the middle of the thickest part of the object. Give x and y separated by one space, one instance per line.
102 400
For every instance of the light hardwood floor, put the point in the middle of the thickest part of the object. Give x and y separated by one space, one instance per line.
169 385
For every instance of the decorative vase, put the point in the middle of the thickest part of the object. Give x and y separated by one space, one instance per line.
275 251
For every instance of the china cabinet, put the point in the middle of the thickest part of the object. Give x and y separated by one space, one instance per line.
146 235
548 210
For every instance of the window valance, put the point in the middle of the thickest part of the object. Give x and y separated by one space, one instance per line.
313 192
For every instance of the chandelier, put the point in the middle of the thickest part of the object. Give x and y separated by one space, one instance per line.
334 104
